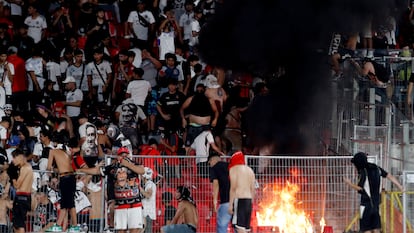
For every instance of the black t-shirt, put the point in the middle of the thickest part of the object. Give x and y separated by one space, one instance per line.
171 103
220 172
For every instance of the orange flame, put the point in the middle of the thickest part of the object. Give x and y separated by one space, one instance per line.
279 208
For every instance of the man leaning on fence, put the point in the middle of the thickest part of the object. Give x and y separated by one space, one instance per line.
22 181
219 176
368 186
128 206
67 186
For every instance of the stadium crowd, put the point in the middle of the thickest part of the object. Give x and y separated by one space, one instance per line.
92 78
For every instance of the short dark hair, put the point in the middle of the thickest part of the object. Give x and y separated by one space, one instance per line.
18 152
170 55
139 71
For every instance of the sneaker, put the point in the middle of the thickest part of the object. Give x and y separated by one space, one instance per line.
54 228
74 229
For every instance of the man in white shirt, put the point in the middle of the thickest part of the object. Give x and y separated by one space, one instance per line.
34 71
185 21
141 25
99 73
138 89
6 74
149 201
74 97
37 24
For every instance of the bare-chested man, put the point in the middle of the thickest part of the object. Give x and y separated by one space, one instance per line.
186 211
23 185
242 185
67 186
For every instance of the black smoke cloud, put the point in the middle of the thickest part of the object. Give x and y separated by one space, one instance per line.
262 36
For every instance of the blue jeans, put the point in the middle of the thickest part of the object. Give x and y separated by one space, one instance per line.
223 218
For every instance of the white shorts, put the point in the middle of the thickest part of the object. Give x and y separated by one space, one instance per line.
130 218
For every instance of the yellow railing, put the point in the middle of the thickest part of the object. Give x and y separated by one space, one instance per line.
388 212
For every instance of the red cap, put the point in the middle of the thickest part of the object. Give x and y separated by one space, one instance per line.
122 150
237 159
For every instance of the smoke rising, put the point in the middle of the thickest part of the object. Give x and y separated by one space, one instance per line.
260 36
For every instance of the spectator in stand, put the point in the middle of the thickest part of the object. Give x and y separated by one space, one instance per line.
168 107
53 71
5 124
185 22
73 45
99 73
138 89
218 95
103 139
169 33
45 213
41 152
23 42
74 98
199 109
150 65
36 23
19 84
123 73
195 30
96 30
7 73
202 144
78 71
34 68
124 173
141 26
208 7
125 7
16 9
5 38
168 72
65 61
61 26
192 74
149 193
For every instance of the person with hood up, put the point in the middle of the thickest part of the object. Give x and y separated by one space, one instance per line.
369 187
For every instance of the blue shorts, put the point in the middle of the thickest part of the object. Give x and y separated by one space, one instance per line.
179 228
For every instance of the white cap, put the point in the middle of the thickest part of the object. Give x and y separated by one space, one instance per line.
69 79
211 82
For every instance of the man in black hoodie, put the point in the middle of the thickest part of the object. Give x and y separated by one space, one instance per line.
369 184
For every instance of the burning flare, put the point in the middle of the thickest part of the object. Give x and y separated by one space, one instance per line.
279 208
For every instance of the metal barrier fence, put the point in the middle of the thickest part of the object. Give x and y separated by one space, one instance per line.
408 202
89 203
300 188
